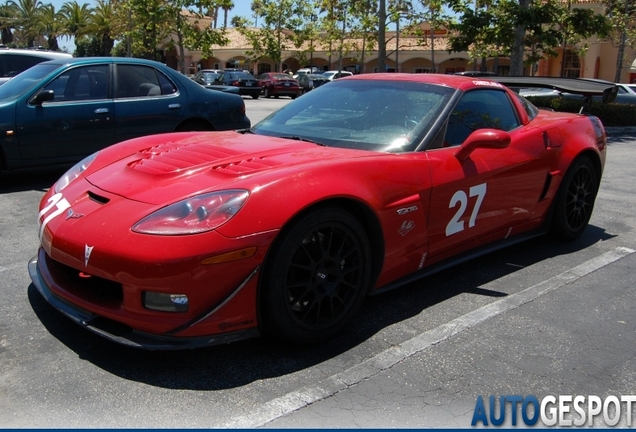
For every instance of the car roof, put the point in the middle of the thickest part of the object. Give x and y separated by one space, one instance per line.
93 60
36 53
455 81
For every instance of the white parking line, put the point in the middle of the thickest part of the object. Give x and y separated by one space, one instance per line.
327 387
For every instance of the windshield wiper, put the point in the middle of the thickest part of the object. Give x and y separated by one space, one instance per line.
299 138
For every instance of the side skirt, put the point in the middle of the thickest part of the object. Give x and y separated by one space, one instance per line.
462 258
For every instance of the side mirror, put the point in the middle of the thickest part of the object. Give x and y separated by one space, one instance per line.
483 138
43 96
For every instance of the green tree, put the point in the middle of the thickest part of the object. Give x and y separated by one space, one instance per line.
621 18
50 25
148 23
75 19
6 24
103 25
190 34
282 27
26 19
88 46
508 27
227 6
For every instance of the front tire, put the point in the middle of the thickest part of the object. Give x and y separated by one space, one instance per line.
266 93
316 277
575 200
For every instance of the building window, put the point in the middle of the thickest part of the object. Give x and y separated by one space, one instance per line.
572 68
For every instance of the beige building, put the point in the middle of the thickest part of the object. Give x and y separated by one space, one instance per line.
409 54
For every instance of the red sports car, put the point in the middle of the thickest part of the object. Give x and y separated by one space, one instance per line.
278 84
191 239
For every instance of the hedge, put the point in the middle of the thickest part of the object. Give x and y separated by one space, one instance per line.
612 114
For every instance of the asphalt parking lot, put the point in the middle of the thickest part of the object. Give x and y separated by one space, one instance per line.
541 318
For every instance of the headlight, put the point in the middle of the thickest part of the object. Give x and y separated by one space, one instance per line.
74 172
194 215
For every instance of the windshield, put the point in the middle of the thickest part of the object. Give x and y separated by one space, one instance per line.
25 80
367 115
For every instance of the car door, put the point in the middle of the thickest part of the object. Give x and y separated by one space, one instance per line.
494 190
146 102
77 121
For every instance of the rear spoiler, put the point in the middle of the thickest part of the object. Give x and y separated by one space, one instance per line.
586 88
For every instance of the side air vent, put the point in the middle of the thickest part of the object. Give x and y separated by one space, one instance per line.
98 198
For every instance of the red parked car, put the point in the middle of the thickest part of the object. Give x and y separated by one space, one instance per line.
278 84
362 185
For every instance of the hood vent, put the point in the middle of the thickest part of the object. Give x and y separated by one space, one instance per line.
173 157
244 166
170 158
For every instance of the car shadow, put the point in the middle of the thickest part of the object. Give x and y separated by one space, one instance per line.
240 363
30 179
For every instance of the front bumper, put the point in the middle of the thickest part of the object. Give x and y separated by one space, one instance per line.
123 334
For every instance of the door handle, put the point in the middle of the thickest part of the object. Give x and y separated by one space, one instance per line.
174 106
102 111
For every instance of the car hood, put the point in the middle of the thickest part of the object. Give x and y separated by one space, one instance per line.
175 166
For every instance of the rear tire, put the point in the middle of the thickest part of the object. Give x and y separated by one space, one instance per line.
316 277
266 93
574 202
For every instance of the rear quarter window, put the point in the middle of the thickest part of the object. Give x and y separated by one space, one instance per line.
12 64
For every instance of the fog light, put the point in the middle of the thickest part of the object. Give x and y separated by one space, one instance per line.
165 302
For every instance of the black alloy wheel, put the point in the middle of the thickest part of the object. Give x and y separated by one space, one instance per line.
575 200
316 278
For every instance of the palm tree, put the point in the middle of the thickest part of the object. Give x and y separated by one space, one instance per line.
26 18
6 24
75 19
50 24
102 25
226 5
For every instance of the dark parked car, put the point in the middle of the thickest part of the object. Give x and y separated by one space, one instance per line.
246 83
309 82
59 111
14 61
206 76
278 84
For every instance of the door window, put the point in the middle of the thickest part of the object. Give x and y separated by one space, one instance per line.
480 109
135 81
81 83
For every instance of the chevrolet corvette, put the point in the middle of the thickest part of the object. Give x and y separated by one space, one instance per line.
189 239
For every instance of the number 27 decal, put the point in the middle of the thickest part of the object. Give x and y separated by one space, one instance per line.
60 203
456 225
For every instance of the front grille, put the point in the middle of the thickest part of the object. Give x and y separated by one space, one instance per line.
95 290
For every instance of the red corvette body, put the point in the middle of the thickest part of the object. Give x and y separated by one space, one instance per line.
392 210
